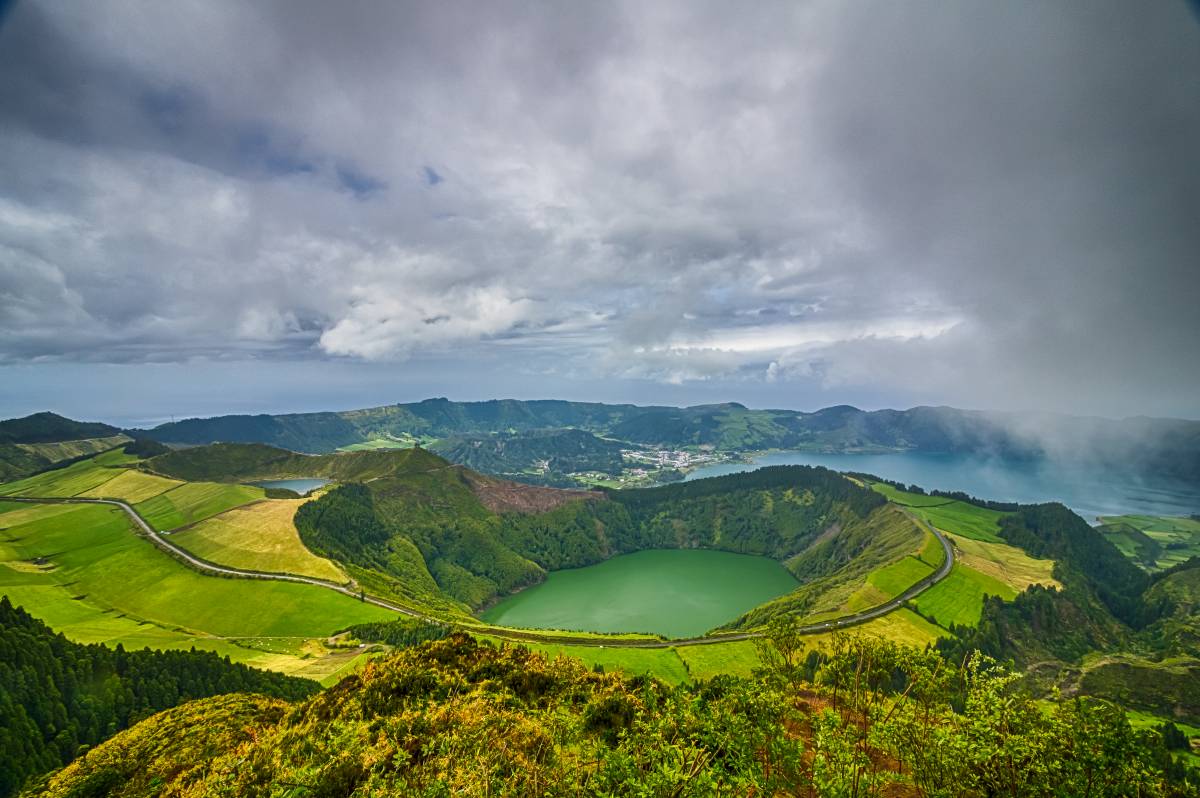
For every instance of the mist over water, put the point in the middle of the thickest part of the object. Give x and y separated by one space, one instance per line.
1090 492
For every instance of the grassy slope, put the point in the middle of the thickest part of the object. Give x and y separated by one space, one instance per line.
65 450
62 482
1178 538
965 520
1007 564
260 537
132 486
195 501
985 564
663 663
958 599
888 543
102 583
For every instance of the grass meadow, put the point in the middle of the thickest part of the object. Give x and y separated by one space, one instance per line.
82 569
195 501
258 536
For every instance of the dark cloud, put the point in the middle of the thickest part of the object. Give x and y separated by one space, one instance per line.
981 204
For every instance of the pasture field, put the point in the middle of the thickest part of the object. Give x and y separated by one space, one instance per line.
950 515
1006 564
407 442
195 501
894 579
902 626
61 482
91 553
65 450
132 486
739 657
1178 538
958 599
663 663
931 551
258 537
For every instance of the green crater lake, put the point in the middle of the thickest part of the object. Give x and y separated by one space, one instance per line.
672 592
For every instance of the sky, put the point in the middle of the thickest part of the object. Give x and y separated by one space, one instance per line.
210 207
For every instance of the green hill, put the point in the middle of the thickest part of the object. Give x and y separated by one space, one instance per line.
37 442
422 530
1139 445
56 696
50 428
455 717
520 456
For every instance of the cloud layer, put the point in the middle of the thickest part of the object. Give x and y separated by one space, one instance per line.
991 205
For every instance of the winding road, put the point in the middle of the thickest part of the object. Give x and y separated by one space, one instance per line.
204 566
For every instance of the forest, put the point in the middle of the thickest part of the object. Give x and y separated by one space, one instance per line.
58 698
866 718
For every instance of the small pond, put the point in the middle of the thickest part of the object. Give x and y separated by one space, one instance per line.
301 486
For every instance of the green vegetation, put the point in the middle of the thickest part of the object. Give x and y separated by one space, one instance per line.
399 442
69 450
1163 446
1154 542
400 633
56 696
195 501
737 658
61 482
534 454
34 443
232 462
258 537
436 528
962 518
90 553
894 579
879 720
1166 688
132 486
958 599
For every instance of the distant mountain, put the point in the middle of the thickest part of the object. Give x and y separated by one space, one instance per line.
51 428
1143 445
34 443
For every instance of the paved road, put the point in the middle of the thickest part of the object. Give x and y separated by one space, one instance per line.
205 566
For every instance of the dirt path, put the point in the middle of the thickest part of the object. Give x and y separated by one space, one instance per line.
204 566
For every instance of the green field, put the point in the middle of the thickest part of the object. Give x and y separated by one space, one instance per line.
739 657
662 663
894 579
1005 563
66 450
195 501
950 515
958 599
258 537
61 482
1172 539
400 442
93 560
132 486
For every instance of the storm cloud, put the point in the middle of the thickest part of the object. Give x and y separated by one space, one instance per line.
988 205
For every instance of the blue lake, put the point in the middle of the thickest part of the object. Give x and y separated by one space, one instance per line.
1089 492
301 486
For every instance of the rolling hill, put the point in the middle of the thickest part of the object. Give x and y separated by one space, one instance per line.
1143 445
37 442
416 526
